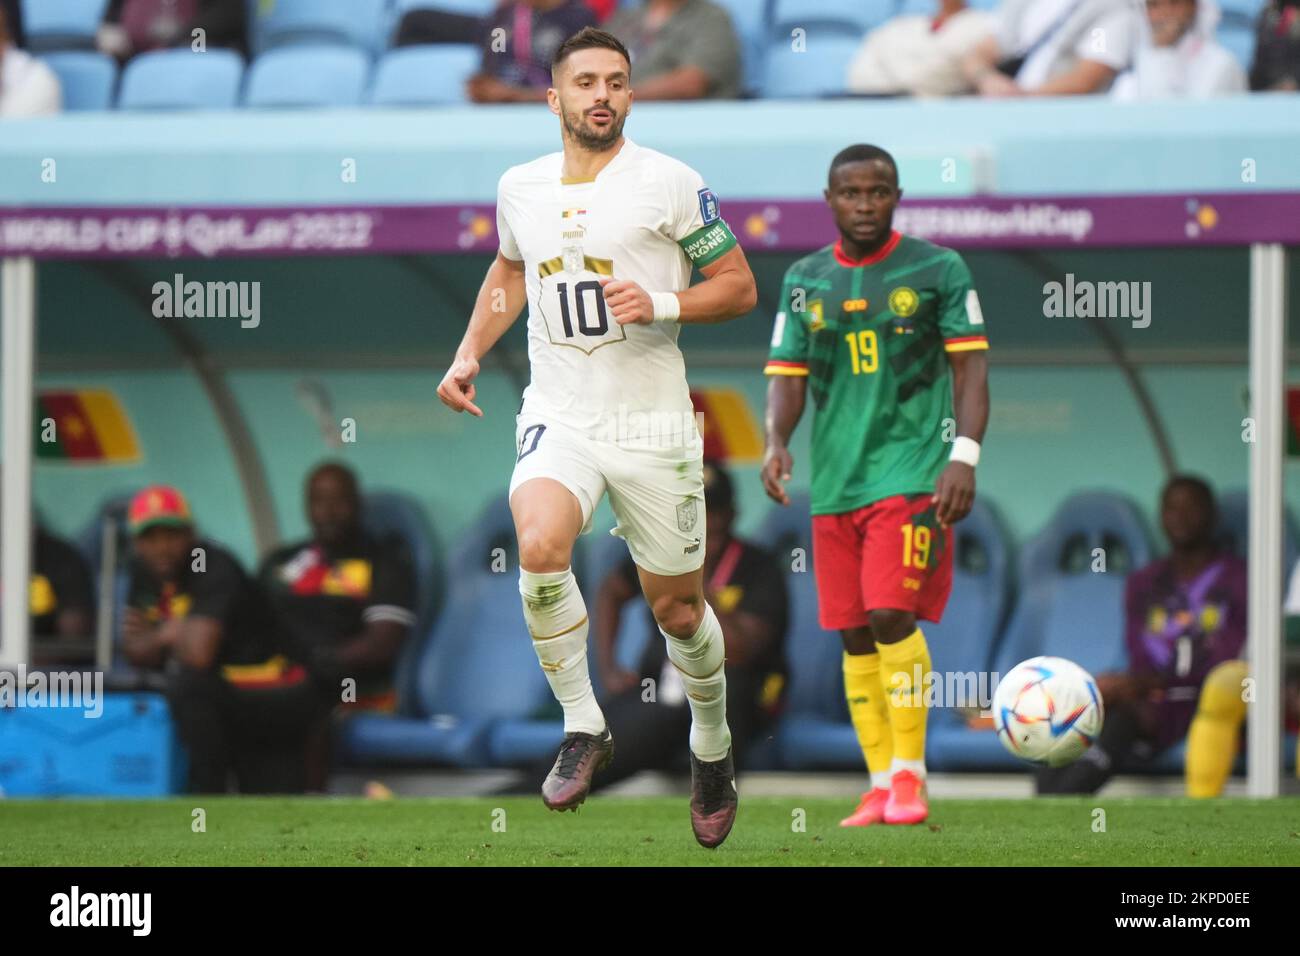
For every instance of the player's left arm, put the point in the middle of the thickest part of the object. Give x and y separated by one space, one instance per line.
694 221
727 292
961 323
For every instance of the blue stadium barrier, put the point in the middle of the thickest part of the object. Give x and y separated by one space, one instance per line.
820 69
308 76
359 23
87 79
130 750
425 75
62 24
180 79
1064 608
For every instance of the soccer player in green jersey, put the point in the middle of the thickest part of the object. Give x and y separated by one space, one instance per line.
887 330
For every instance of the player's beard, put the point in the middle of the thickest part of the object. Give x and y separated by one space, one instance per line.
591 139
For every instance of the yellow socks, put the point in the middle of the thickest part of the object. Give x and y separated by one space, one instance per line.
1215 731
870 713
903 667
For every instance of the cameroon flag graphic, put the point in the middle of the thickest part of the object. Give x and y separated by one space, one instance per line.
88 425
730 431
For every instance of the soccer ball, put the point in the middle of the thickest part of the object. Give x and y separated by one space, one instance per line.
1047 710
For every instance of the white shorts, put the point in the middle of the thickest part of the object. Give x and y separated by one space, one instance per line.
657 496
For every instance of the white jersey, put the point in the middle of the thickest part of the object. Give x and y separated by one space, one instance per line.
645 217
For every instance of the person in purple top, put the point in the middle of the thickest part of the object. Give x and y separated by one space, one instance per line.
1184 615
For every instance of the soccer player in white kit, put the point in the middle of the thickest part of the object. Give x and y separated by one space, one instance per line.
599 241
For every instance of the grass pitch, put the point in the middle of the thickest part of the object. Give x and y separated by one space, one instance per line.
626 831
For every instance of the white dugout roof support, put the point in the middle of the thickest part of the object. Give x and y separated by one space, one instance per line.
1267 386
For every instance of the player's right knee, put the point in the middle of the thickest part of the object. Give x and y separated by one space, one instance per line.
1222 693
542 553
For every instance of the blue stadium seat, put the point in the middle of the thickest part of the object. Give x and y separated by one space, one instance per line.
473 8
750 18
425 75
478 666
86 78
1234 528
308 76
1239 39
964 642
820 69
62 24
392 512
180 79
814 732
857 16
1064 608
1245 12
359 23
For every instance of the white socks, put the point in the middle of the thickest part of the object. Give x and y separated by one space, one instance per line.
557 619
699 660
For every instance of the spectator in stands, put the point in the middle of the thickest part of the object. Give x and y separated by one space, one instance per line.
1277 47
137 26
27 86
62 599
1177 55
345 599
12 12
920 56
681 49
1185 614
519 70
1214 737
194 616
431 24
1054 48
647 707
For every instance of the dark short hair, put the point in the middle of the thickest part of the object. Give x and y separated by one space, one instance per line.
862 153
1195 484
338 470
590 38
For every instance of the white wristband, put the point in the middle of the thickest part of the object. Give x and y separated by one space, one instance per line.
667 306
965 450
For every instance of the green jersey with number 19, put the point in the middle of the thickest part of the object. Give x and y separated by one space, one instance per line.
645 217
871 336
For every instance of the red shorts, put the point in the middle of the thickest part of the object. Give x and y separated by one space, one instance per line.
890 554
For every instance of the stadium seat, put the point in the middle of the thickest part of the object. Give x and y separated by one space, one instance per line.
814 732
820 69
965 641
858 15
424 75
308 76
86 78
392 512
1065 609
180 79
1234 528
62 24
358 23
1239 39
478 666
749 17
473 8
